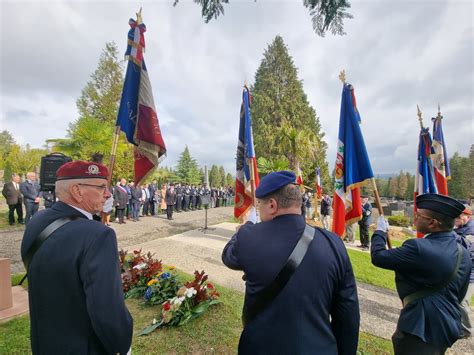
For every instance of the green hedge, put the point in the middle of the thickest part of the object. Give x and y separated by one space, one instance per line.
401 221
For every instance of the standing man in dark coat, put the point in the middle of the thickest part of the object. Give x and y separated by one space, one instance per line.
317 311
121 200
75 289
31 195
136 201
186 195
11 192
431 275
170 199
364 223
152 188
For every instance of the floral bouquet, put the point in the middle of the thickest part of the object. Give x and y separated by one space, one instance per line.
191 301
137 271
162 287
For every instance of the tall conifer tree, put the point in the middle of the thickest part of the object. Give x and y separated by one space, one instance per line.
280 101
187 169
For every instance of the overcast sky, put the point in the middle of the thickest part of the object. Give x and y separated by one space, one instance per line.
397 54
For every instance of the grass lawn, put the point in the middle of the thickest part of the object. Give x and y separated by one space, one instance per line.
218 331
365 271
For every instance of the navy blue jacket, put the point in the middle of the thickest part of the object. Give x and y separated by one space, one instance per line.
317 312
466 238
421 263
75 290
30 191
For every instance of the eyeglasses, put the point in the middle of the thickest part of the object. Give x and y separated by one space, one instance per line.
418 215
100 187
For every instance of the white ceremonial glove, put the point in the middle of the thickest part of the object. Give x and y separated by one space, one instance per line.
382 224
252 216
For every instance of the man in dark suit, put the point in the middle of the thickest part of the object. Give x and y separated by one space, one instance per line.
32 194
121 200
170 199
75 290
431 275
317 311
11 192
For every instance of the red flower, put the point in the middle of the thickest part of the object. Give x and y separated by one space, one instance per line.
167 306
209 286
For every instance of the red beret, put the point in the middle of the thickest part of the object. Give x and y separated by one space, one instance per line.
80 169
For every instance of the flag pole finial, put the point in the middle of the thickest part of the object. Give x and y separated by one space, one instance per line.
342 76
139 16
439 112
419 114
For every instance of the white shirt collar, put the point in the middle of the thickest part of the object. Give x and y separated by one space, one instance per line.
85 213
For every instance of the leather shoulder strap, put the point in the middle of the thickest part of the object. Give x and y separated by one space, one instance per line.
428 292
269 293
41 238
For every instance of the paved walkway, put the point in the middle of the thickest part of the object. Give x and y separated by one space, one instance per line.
201 249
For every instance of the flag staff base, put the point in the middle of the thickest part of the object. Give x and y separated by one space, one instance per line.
113 153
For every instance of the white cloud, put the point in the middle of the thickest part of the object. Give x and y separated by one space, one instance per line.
396 55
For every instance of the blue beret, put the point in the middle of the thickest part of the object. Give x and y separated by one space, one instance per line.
440 203
274 181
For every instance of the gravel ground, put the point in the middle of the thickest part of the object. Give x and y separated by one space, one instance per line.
131 233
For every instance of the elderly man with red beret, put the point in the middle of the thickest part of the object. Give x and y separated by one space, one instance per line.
75 291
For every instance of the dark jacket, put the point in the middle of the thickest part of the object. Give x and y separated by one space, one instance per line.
465 235
317 311
120 197
74 285
136 194
12 195
30 191
366 213
427 262
326 206
170 197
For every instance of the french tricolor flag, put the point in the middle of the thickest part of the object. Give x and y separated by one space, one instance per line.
137 114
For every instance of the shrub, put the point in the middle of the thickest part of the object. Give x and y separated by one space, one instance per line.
401 221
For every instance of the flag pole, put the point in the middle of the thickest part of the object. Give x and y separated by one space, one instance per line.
250 164
113 154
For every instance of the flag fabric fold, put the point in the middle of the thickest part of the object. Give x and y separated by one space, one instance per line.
319 194
440 159
352 164
137 115
299 175
425 181
246 161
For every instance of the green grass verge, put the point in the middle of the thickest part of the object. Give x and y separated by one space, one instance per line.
217 331
365 271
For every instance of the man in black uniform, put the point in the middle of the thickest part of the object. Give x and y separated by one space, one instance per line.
187 193
75 288
431 275
364 223
317 311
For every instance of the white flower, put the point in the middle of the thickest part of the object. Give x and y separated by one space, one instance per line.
140 266
177 300
190 292
181 299
155 321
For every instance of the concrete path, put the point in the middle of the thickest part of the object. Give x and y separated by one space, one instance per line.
201 250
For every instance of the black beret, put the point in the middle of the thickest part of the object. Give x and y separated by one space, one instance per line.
440 203
274 181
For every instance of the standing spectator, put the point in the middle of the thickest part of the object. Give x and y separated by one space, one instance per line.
11 192
170 198
350 233
464 228
153 192
137 196
107 210
129 203
31 195
121 200
146 197
364 223
309 207
163 198
325 210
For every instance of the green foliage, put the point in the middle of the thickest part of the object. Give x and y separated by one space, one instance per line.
401 221
222 174
461 183
21 160
6 143
187 169
215 179
229 180
402 185
266 166
285 126
326 15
